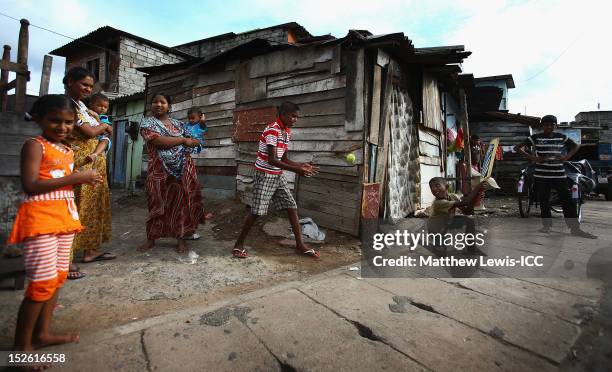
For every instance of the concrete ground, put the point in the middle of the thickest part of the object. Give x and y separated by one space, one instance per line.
336 320
142 285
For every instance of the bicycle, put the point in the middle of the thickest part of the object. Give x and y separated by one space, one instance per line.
579 185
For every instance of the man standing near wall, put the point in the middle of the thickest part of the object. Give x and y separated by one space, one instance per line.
550 174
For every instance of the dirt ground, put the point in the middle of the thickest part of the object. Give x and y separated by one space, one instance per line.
141 285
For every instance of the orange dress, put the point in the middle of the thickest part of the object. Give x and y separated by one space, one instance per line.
53 212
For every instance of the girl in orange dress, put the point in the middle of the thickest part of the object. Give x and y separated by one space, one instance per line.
47 219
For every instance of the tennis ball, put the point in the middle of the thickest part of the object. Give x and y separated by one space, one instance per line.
351 158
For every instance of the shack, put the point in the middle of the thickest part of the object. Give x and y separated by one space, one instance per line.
375 96
488 103
511 129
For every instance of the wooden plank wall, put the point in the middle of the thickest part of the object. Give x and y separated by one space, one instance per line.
311 78
14 131
430 138
431 103
214 93
315 79
506 171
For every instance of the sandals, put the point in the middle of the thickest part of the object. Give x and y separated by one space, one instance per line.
74 275
310 253
194 236
240 253
104 256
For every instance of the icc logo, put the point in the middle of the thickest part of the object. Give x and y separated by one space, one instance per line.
531 261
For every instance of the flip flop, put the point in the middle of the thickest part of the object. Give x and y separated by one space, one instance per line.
194 236
310 253
105 256
240 253
74 275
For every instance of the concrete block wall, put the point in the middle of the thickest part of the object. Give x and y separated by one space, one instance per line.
81 61
135 54
213 47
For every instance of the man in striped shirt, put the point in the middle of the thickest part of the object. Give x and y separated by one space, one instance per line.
270 184
550 150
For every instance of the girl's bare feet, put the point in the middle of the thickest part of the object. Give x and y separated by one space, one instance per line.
149 244
181 246
54 339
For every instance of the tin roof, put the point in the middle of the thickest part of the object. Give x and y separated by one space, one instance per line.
299 31
101 37
396 44
508 77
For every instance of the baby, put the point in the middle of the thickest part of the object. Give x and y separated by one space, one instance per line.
197 127
98 107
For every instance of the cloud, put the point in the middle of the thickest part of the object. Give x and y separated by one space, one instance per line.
526 38
553 49
67 17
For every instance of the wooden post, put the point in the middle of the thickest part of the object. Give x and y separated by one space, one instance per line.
354 112
6 57
22 58
384 134
467 156
375 112
45 75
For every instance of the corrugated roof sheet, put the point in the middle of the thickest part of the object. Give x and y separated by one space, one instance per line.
128 97
508 77
100 38
532 121
299 30
248 49
396 44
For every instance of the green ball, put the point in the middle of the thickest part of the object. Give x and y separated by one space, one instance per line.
351 158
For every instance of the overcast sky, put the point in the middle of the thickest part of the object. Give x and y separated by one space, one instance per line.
557 51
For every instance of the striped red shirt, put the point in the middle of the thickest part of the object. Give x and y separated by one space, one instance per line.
275 134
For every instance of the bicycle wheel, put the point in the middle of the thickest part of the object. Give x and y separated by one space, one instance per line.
524 201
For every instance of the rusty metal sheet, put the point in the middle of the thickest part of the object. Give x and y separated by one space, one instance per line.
250 123
370 202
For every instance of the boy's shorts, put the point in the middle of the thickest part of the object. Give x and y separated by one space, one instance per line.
271 187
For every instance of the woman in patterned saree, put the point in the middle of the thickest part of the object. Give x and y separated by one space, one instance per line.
92 201
173 191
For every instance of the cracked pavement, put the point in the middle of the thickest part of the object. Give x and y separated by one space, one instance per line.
337 321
